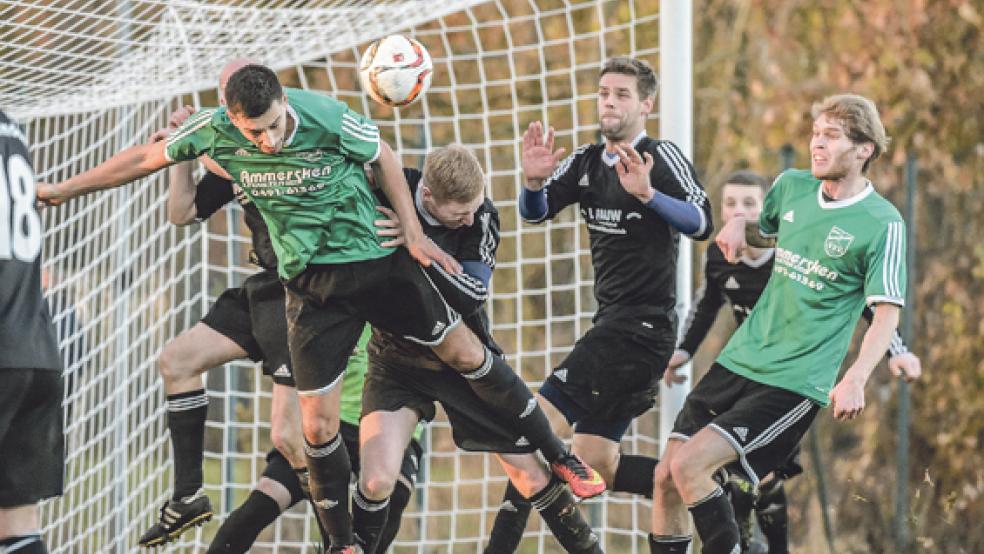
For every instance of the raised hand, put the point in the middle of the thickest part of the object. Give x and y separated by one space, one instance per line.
731 239
539 157
633 171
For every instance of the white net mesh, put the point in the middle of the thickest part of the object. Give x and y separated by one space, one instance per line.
89 78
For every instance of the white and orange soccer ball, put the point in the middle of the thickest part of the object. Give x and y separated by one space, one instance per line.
395 70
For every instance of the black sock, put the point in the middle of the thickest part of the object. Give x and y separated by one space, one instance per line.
770 509
499 386
398 503
186 413
304 482
330 475
669 544
23 544
715 523
558 509
510 522
635 474
238 532
741 492
369 519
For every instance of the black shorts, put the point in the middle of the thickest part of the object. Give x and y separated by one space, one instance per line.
764 424
612 374
475 427
254 317
328 306
32 445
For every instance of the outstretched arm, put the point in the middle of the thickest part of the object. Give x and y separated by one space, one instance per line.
129 165
848 396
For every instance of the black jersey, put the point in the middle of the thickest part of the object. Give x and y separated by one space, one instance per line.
213 192
633 249
27 337
741 285
475 243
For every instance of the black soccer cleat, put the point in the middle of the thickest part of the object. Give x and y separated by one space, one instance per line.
177 516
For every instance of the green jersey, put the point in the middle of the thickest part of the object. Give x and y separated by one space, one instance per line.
313 194
353 379
831 258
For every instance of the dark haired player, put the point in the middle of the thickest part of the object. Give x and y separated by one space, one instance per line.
636 195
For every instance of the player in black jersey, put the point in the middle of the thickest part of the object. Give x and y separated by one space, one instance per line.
636 195
32 446
405 379
741 285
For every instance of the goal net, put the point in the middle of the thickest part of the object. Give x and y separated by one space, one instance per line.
88 78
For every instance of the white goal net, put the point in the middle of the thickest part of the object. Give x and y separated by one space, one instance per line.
88 78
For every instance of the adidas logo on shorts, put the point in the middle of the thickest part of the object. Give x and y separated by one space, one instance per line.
523 441
281 371
438 327
742 432
561 374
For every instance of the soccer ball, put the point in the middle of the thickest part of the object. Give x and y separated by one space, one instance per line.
395 70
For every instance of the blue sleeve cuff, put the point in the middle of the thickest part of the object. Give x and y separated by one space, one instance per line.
683 216
532 204
478 270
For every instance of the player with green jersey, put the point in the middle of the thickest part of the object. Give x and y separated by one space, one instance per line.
839 245
299 157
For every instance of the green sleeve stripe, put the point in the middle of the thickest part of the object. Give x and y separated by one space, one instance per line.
196 122
892 262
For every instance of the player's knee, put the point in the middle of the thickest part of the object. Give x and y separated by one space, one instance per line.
290 444
319 427
377 485
684 470
531 483
461 350
172 364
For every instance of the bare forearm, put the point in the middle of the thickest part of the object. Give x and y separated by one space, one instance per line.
875 343
181 194
129 165
754 238
389 176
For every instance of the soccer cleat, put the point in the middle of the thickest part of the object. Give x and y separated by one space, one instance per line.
177 516
584 481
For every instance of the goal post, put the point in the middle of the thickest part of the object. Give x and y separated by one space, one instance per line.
88 79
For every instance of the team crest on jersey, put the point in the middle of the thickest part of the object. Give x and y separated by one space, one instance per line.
311 155
837 243
242 152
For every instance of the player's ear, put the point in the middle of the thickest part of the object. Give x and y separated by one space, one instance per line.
647 104
865 150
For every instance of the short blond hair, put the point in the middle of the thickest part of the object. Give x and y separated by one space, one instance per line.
860 119
453 173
